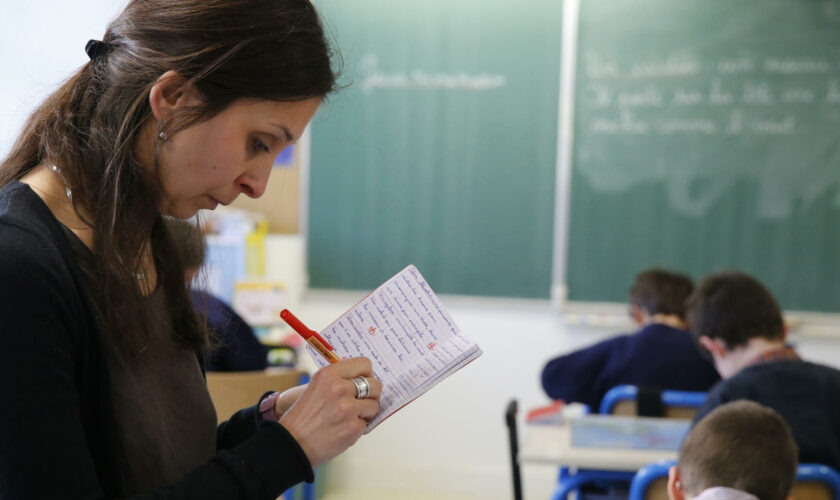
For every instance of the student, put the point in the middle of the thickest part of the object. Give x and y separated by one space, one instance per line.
740 451
183 105
661 354
235 347
738 321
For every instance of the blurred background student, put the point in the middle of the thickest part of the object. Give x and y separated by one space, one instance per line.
739 322
660 355
236 348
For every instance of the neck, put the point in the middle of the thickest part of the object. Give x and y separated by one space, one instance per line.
671 320
50 187
738 358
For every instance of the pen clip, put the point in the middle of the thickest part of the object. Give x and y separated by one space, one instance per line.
321 339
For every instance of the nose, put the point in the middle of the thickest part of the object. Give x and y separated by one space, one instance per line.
253 182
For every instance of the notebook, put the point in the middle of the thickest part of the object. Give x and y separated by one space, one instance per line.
412 342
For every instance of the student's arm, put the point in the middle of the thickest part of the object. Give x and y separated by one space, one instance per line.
577 376
45 353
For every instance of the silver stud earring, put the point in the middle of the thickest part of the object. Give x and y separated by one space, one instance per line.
162 136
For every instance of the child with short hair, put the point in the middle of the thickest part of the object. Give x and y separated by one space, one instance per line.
661 354
739 322
740 451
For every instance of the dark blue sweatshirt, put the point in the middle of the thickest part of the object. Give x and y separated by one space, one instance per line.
656 356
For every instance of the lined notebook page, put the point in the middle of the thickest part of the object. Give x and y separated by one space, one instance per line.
410 339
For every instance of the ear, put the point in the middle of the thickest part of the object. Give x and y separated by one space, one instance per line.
637 314
171 92
784 331
715 346
675 491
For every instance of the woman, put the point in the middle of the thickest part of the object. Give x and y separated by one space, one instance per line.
183 105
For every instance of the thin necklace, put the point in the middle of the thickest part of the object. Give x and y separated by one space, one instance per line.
61 176
139 276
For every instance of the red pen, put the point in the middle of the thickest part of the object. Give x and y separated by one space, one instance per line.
310 336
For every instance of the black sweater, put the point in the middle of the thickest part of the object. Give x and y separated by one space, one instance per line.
56 422
806 394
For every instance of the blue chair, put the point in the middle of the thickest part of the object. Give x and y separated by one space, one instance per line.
621 400
568 482
813 482
647 475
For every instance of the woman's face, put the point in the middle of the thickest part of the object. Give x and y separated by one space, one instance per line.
213 162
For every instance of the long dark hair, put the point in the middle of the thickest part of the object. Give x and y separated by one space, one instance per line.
229 50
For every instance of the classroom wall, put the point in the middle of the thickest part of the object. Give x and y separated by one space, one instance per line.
281 202
41 45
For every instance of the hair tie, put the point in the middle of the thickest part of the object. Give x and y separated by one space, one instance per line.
96 48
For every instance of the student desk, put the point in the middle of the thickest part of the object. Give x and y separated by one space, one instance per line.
601 447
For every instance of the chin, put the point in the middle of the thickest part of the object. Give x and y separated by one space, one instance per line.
180 212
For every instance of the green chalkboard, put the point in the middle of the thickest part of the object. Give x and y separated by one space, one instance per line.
707 136
441 152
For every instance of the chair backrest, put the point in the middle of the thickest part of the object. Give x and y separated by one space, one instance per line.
651 482
232 391
813 482
621 400
816 482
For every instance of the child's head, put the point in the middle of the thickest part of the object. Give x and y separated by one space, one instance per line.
659 291
734 308
740 445
733 317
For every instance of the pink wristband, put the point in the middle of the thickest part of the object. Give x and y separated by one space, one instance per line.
268 409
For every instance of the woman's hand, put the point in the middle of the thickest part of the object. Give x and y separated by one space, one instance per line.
327 418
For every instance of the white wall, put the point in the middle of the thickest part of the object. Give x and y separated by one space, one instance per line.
41 44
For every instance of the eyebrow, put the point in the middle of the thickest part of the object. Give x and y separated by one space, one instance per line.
285 129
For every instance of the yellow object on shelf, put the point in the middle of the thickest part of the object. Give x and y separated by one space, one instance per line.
255 250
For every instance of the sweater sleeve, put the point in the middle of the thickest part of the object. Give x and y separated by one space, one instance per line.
42 425
576 376
262 467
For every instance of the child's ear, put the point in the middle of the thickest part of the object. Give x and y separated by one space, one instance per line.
675 491
637 314
715 346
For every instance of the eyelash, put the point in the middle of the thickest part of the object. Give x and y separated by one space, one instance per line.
260 146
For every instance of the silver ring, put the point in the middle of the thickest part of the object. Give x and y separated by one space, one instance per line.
362 387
